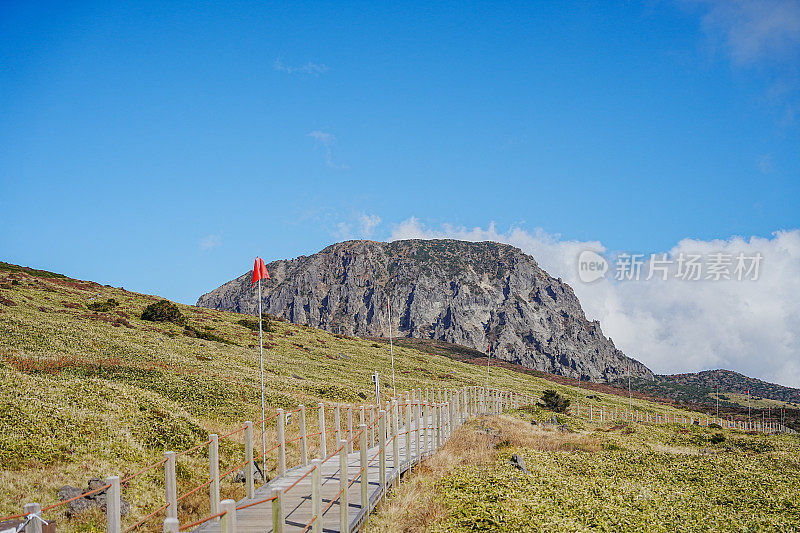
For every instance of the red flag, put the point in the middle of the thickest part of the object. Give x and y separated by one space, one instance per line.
259 270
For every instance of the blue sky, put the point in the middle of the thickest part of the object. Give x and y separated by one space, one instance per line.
161 147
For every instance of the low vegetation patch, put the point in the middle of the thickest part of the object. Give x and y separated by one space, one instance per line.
605 479
163 311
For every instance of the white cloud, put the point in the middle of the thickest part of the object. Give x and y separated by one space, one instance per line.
678 326
367 224
326 140
754 30
209 242
308 68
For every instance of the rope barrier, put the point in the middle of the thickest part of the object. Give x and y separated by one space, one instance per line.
203 485
355 477
143 470
234 432
232 469
203 521
309 524
259 456
301 478
428 426
145 519
193 448
256 503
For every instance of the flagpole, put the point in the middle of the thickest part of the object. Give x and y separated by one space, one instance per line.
263 415
391 347
488 360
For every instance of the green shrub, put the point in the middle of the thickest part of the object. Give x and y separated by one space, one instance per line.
554 401
103 307
164 311
252 323
191 331
717 438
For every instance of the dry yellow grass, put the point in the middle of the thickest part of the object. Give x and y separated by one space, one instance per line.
417 504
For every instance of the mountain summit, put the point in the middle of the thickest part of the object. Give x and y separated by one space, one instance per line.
484 295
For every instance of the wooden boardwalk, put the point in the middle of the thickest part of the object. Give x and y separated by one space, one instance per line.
297 506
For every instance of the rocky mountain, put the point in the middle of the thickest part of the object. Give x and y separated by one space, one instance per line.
482 295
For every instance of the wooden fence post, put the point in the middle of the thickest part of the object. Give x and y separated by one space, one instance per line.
364 481
337 421
277 511
382 449
113 506
417 428
425 420
213 472
349 428
34 526
281 443
438 409
344 515
409 407
323 437
228 520
303 436
372 424
316 495
170 486
171 525
249 482
396 438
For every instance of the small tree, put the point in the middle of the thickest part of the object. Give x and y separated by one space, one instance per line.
164 311
554 401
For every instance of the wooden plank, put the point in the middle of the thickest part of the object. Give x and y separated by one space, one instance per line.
297 501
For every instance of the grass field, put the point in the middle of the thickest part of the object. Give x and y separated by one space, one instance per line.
91 390
603 477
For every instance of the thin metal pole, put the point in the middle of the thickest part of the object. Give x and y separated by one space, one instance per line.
488 360
263 415
391 346
630 398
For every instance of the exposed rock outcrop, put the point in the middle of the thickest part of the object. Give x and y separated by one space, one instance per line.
482 295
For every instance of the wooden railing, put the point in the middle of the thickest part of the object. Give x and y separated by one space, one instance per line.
423 419
442 409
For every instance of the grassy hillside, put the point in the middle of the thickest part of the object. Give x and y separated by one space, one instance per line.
90 389
696 392
700 388
600 477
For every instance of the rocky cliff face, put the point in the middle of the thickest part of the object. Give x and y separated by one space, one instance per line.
482 295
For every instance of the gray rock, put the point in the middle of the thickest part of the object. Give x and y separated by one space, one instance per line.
473 294
343 357
517 461
241 475
295 376
92 501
